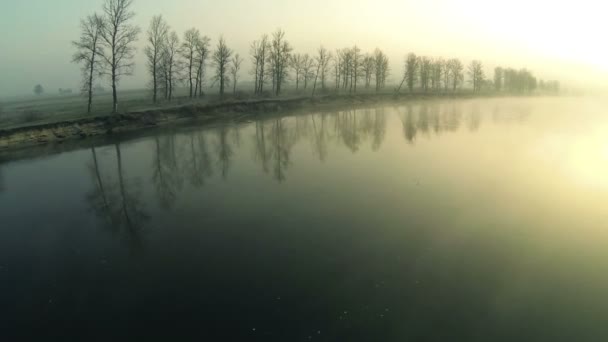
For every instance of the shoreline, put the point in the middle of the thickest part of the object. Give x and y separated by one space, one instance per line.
52 134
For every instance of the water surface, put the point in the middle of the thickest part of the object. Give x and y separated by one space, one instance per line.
476 220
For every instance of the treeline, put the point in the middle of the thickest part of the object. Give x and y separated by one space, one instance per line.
521 81
106 49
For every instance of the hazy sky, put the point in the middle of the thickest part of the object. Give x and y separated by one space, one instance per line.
556 39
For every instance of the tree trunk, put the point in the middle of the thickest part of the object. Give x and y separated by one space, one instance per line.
315 84
90 102
114 95
154 80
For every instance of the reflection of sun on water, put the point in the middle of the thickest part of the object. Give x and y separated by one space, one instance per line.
582 159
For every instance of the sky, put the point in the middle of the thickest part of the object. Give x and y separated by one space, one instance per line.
559 39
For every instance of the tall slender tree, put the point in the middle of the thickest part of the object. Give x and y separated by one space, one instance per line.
411 71
118 36
381 68
368 70
356 66
88 48
498 78
171 64
235 67
476 75
323 58
280 52
296 63
202 54
259 55
157 36
455 67
191 41
221 59
425 72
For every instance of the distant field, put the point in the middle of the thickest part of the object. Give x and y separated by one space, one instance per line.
36 110
50 108
33 110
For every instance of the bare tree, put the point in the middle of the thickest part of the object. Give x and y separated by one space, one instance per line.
296 63
411 71
368 69
259 56
235 67
455 67
437 71
118 36
425 72
191 40
498 78
446 75
279 59
170 63
323 59
308 65
476 74
157 36
221 58
38 89
88 48
338 62
356 67
380 61
202 53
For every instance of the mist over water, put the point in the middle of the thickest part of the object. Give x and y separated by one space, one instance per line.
469 220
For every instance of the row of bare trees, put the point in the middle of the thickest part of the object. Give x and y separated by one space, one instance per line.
434 74
106 49
272 58
521 81
437 73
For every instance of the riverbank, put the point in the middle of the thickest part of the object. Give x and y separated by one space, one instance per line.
86 128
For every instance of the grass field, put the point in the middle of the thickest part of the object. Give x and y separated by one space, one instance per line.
37 110
32 110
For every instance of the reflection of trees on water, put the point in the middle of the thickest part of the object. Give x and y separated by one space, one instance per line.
274 140
319 136
166 175
424 118
435 118
117 200
409 127
197 160
195 156
1 181
280 148
224 150
260 150
474 119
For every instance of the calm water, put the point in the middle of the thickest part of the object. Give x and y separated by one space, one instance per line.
480 220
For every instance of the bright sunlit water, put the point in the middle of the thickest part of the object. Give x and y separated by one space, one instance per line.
465 220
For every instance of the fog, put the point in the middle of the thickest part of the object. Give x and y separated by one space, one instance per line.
558 40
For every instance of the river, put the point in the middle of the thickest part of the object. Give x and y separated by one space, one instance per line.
453 220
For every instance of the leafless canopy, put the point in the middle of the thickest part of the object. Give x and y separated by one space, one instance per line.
235 67
157 36
221 59
88 49
118 36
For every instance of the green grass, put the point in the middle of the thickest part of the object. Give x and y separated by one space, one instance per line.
37 110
